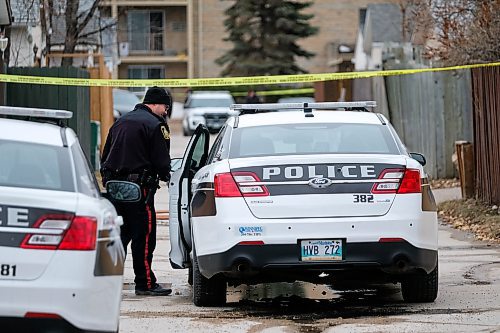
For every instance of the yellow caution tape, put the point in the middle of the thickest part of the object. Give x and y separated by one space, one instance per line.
227 81
278 92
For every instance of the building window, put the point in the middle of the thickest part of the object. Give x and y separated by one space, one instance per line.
145 72
145 31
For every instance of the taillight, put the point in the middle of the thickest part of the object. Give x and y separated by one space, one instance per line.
410 182
245 180
81 235
392 178
225 186
52 228
400 181
238 184
63 232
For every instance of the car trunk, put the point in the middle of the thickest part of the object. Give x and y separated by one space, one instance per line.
22 211
317 186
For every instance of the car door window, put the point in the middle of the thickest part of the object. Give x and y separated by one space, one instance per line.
214 155
199 157
85 180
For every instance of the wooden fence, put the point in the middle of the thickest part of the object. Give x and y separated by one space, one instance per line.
486 100
75 99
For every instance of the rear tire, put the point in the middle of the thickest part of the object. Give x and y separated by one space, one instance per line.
190 276
208 292
420 288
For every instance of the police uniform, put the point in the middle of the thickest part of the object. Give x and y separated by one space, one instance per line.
137 149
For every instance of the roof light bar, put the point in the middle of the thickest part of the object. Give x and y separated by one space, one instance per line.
34 112
320 106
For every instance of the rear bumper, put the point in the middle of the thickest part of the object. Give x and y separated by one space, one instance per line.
13 324
92 305
67 288
283 261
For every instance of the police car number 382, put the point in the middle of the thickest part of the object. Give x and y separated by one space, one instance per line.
285 196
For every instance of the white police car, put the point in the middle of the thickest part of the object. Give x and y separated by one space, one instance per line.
284 196
61 258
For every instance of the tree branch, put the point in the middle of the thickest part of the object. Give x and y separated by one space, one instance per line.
80 43
89 16
87 34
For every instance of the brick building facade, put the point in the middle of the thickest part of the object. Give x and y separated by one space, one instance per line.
338 22
182 38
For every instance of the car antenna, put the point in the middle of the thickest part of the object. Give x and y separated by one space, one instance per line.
308 111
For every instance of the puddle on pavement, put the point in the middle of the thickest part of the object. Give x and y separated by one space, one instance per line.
270 291
305 302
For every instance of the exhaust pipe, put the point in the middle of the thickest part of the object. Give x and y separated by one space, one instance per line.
401 262
242 267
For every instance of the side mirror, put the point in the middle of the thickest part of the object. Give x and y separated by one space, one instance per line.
123 191
175 164
419 158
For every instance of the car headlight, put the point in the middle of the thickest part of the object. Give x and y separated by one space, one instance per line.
194 121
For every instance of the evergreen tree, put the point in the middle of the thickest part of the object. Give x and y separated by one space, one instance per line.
264 34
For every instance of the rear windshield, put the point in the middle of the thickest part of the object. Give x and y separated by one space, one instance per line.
125 97
37 166
210 102
291 139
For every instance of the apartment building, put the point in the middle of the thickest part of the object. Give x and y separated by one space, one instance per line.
182 38
153 38
334 44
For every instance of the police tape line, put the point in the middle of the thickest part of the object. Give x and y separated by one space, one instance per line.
278 92
293 91
227 81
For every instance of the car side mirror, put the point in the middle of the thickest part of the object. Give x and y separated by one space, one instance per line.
122 191
419 158
175 164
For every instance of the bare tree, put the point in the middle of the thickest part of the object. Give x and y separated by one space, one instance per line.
28 14
464 31
69 23
417 20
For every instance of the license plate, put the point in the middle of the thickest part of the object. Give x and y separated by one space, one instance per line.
215 125
321 250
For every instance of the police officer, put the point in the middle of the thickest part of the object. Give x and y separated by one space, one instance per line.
137 149
252 97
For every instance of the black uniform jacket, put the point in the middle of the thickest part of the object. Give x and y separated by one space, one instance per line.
138 141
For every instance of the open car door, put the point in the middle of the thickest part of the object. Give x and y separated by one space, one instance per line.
180 194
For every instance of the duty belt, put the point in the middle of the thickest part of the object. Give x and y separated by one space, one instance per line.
143 179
